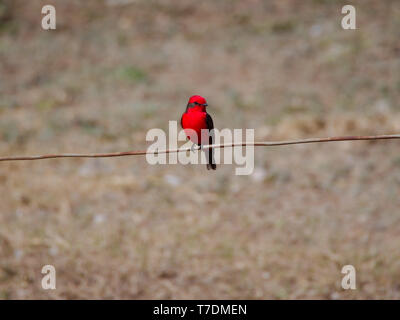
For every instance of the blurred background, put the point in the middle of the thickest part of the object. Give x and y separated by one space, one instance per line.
120 228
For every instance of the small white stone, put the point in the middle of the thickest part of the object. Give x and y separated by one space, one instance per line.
335 296
172 180
18 254
259 174
98 218
315 30
53 251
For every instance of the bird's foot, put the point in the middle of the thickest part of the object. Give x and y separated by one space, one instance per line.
195 147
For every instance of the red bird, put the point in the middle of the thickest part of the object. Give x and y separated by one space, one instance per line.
196 118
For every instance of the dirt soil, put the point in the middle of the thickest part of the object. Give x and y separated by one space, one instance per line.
121 228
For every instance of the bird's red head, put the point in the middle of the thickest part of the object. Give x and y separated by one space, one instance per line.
198 100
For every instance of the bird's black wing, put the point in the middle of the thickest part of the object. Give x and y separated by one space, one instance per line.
209 122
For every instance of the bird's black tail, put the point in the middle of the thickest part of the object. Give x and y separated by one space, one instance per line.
212 166
210 157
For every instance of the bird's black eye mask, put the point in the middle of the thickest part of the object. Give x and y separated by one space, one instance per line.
199 104
193 104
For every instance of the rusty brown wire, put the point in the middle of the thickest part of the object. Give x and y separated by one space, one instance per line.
226 145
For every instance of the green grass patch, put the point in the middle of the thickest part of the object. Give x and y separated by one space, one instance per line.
132 74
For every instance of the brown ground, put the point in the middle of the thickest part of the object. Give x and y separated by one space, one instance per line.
120 228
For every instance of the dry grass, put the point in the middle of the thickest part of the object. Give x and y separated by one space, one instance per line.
119 228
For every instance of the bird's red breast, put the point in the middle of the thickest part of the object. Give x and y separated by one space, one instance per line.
195 119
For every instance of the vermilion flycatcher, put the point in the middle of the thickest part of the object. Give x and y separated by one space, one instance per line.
196 118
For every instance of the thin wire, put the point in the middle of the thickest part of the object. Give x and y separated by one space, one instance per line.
226 145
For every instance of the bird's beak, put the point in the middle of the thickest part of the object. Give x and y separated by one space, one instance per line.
206 105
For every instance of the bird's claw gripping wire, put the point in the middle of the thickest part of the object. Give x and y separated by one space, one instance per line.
195 147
